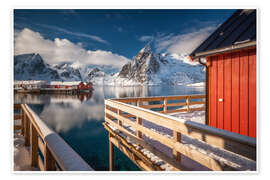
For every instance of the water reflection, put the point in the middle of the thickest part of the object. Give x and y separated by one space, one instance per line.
78 118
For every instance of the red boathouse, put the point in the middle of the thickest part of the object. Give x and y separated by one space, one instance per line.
230 57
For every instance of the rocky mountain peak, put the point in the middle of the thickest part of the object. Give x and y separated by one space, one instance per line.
143 54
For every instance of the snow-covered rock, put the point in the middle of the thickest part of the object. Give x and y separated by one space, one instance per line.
148 68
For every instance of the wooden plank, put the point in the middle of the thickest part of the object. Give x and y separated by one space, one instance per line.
176 104
185 150
130 155
227 92
176 110
235 92
220 94
154 150
244 92
233 142
252 93
34 146
213 93
111 154
160 98
151 106
17 116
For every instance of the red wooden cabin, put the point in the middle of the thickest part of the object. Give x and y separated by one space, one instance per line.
230 54
85 86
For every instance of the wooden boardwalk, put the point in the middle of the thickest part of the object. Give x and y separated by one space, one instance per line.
142 128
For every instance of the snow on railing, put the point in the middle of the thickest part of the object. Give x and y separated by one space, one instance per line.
136 113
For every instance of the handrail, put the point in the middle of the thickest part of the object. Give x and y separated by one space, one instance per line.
119 109
54 149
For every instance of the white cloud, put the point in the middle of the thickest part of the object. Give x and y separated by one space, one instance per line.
183 43
62 50
145 38
93 37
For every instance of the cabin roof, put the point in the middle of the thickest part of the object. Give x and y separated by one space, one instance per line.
30 82
239 31
71 83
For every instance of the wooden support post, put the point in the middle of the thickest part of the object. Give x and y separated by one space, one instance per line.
187 101
176 138
27 131
139 121
22 121
49 162
111 154
165 106
119 112
34 146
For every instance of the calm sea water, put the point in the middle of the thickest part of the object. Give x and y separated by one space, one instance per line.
78 119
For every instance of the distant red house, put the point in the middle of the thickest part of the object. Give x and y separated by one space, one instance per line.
71 85
85 86
230 54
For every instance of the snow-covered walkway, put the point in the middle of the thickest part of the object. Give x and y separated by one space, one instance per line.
22 159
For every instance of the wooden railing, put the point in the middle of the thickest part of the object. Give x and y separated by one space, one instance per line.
48 151
132 111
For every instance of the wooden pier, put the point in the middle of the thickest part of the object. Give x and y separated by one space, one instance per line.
136 124
53 91
48 151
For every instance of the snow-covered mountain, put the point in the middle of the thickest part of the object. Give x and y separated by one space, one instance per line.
146 68
32 67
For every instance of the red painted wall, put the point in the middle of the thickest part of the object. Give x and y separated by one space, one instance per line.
232 91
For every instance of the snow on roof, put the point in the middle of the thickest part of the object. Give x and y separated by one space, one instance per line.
71 83
31 82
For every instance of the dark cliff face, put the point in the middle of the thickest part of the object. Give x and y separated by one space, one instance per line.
144 64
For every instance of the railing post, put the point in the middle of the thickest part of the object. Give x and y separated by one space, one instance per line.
187 101
165 105
177 138
139 121
34 146
22 121
111 154
119 112
49 162
27 131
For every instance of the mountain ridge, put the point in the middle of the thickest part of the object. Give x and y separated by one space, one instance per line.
146 68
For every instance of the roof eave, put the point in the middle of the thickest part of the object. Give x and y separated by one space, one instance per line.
223 50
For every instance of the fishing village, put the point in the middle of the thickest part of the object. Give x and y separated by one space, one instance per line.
211 131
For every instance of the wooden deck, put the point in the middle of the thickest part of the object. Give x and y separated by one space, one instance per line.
142 128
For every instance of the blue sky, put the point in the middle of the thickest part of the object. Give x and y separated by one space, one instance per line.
120 32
